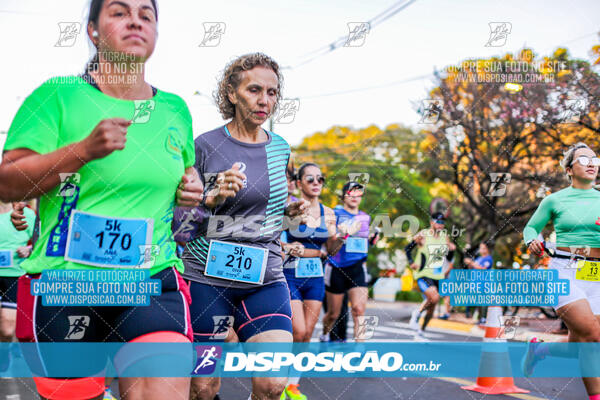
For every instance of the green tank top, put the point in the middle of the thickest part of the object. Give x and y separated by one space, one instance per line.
434 253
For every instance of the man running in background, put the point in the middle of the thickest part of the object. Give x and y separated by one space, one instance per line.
433 249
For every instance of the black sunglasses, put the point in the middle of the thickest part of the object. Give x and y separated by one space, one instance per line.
312 178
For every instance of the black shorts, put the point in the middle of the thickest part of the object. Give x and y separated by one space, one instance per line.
8 291
340 280
426 283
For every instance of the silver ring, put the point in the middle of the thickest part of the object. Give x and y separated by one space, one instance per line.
229 186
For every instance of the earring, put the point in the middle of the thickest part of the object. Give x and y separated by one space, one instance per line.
95 34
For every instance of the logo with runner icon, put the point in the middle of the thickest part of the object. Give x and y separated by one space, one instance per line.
498 183
142 111
437 255
509 326
499 32
148 254
573 109
68 183
366 326
211 187
359 177
207 359
212 34
222 323
431 110
357 34
77 326
68 34
286 111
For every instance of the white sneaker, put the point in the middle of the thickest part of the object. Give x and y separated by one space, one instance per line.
420 336
414 319
324 337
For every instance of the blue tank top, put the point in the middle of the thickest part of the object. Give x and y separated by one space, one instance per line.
343 258
311 238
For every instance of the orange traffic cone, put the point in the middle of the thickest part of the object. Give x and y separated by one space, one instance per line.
494 361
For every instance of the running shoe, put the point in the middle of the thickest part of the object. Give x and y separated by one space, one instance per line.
531 358
108 395
420 336
414 319
293 393
324 337
444 317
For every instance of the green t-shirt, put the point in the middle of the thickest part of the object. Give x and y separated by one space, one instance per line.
138 182
433 252
11 239
575 214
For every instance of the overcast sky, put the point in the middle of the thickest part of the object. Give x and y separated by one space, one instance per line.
426 35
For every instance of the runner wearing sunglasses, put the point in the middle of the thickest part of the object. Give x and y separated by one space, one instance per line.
308 244
575 214
346 271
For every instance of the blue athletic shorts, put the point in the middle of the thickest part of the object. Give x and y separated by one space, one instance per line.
304 288
248 311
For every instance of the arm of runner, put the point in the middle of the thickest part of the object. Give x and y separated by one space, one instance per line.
26 174
536 223
297 209
285 246
451 249
190 190
228 184
450 267
475 265
296 249
24 251
17 216
487 263
374 237
408 251
334 241
311 253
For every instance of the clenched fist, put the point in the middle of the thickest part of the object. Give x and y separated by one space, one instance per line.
109 135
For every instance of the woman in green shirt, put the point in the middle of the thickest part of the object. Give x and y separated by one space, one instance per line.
110 156
575 214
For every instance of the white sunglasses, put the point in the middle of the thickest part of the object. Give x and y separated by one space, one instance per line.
585 161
